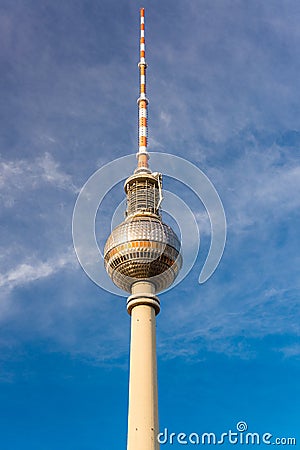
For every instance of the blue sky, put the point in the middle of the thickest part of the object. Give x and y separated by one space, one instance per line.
224 89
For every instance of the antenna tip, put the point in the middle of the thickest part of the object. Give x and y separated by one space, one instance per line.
142 11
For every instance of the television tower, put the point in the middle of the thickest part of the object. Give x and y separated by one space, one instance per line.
142 257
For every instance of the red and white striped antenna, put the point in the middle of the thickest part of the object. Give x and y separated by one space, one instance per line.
142 101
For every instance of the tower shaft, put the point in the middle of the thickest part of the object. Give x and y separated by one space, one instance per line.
143 430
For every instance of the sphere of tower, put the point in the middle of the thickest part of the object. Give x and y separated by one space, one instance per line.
143 248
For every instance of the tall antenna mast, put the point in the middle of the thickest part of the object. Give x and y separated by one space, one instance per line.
142 101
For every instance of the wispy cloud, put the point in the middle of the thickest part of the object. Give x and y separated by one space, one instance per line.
221 326
21 176
291 351
262 184
33 269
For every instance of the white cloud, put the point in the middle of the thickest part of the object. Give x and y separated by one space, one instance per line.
33 269
20 176
291 351
261 186
51 173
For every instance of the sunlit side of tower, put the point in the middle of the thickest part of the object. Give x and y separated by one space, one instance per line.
142 257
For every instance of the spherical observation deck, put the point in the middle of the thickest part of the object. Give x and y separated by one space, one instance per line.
143 248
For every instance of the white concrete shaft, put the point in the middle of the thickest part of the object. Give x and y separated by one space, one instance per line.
143 402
